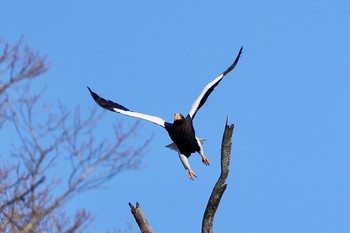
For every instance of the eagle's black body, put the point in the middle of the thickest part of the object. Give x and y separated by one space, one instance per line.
183 135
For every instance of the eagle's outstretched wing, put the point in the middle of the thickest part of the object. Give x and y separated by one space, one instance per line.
110 105
198 103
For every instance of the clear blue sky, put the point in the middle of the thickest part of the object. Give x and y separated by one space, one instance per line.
289 98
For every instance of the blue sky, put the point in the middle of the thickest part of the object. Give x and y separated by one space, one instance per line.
289 98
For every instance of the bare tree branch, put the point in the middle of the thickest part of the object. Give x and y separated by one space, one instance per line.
19 65
220 186
64 224
140 218
21 196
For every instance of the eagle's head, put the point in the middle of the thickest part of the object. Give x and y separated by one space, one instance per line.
178 117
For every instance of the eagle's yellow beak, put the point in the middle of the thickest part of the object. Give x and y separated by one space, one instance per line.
177 116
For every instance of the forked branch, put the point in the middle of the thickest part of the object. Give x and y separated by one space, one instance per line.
140 218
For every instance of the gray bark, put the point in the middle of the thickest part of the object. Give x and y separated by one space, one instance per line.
140 218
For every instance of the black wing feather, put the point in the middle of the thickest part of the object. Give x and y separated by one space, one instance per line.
228 70
106 104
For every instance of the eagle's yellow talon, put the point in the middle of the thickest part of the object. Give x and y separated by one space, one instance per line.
205 160
191 174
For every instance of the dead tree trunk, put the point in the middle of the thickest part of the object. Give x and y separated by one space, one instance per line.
140 218
220 186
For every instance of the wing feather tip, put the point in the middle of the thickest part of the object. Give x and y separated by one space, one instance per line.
100 101
228 70
93 94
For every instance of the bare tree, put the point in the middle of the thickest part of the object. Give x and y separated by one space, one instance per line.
31 196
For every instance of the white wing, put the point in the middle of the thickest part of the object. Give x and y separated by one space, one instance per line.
154 119
209 88
110 105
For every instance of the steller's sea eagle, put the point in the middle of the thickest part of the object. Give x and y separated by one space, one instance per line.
181 131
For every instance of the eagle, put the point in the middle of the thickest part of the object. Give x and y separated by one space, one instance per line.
181 131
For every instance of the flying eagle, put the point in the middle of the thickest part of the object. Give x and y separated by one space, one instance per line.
181 131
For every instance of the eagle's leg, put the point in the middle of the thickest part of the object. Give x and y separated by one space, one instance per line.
186 164
205 160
